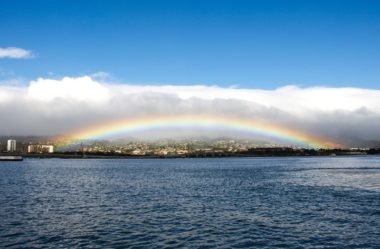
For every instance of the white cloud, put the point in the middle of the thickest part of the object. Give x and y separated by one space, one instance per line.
15 53
290 98
100 76
55 106
67 89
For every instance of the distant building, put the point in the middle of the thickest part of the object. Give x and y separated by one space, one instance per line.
11 145
38 148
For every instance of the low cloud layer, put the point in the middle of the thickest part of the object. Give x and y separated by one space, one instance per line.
350 116
15 53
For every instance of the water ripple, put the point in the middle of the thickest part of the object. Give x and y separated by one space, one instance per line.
195 203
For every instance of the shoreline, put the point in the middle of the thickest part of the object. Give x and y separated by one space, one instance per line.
98 156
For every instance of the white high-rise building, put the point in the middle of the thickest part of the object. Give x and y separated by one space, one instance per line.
11 145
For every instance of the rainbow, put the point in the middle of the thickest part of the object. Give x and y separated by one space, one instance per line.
257 127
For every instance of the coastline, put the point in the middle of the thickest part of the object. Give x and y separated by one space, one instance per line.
77 155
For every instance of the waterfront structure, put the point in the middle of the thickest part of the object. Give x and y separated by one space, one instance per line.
40 148
11 158
11 145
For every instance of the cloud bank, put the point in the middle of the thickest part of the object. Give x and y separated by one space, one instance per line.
45 106
15 53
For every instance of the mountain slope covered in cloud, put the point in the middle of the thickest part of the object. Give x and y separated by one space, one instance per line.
45 106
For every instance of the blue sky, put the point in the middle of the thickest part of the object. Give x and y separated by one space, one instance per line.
251 44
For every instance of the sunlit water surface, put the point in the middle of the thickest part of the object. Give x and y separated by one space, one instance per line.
194 203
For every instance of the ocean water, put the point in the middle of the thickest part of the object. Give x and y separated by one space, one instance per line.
294 202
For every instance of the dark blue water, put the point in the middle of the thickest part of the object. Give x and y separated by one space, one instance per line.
193 203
